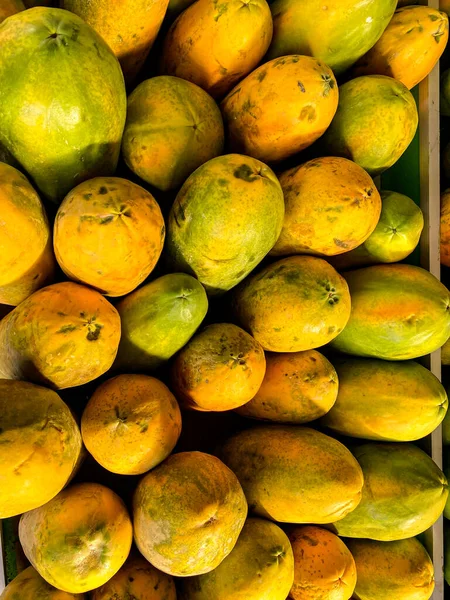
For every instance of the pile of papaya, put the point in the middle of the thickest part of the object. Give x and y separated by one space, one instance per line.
214 325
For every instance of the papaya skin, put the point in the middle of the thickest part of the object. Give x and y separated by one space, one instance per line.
78 540
298 303
281 108
375 122
297 388
404 493
260 567
402 570
109 234
10 7
25 267
190 505
382 327
294 474
40 445
216 44
410 46
62 336
386 401
445 228
172 128
241 202
221 368
60 126
324 566
159 319
131 424
139 580
29 585
341 189
129 27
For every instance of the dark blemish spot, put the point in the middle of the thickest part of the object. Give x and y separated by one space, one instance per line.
143 147
245 173
156 587
87 196
61 314
82 315
369 192
301 86
308 112
331 329
94 334
329 84
53 36
222 181
340 243
67 329
131 579
356 202
261 76
107 219
36 277
433 17
102 191
310 541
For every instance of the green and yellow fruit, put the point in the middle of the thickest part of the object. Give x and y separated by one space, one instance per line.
29 585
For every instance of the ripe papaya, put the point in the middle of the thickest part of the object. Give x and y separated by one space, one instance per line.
29 585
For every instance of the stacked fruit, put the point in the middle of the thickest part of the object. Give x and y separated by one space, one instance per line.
219 207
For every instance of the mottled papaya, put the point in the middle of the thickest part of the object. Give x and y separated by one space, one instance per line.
193 506
297 303
109 234
172 128
29 585
294 474
281 108
78 540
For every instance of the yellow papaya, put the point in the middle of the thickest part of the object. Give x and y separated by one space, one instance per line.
29 585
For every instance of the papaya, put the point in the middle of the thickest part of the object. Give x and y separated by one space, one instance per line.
62 122
131 424
62 336
394 238
298 387
137 580
129 27
297 303
260 567
10 7
348 29
215 44
386 401
172 128
404 493
225 219
109 234
159 319
402 570
445 228
78 540
375 122
29 585
281 108
40 444
324 566
191 506
410 46
221 368
332 206
176 7
382 327
25 267
444 108
294 474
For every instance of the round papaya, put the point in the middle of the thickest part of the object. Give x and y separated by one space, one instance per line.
131 424
386 401
297 303
444 108
40 444
332 206
215 44
221 368
62 336
394 238
62 122
445 228
404 493
78 540
25 267
129 27
410 46
402 570
137 580
109 234
348 29
172 128
381 326
298 387
29 585
324 566
225 219
260 567
192 506
294 474
10 7
159 319
281 108
375 122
